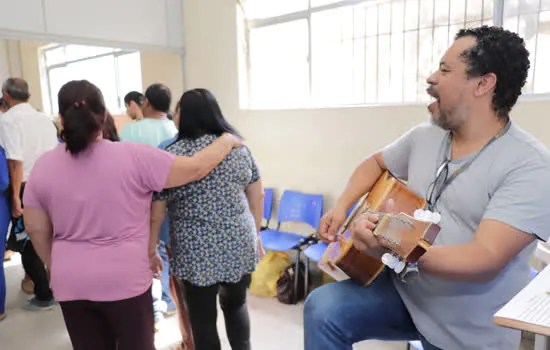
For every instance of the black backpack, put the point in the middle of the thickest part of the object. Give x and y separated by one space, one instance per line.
285 285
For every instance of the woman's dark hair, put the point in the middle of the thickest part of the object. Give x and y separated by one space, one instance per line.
503 53
83 112
109 129
200 115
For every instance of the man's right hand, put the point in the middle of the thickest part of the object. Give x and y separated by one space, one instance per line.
330 223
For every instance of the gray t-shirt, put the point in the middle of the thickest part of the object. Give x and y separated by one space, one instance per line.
510 182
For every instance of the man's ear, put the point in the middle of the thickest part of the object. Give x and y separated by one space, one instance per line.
486 84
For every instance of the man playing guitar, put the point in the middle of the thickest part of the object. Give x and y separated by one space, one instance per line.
490 182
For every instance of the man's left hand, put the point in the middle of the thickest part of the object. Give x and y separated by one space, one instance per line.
16 209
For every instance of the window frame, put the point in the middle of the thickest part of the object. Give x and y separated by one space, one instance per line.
251 24
115 53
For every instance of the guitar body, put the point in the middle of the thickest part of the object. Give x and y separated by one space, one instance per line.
407 237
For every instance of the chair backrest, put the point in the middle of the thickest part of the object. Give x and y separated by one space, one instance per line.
301 207
268 203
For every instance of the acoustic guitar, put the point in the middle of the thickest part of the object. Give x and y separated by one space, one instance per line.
404 237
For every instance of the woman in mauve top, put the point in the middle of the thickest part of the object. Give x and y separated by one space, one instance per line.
87 212
214 226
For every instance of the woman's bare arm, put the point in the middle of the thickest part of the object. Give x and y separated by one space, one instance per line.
189 169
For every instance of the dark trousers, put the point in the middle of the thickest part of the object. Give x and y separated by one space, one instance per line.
201 302
114 325
33 265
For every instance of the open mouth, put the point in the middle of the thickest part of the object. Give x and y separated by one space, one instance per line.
433 103
433 94
434 99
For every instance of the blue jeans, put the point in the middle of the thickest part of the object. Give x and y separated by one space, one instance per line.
5 215
339 314
165 280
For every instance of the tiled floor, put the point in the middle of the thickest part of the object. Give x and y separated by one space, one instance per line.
45 330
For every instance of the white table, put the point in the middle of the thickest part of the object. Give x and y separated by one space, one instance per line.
542 253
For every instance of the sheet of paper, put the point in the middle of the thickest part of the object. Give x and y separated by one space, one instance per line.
532 304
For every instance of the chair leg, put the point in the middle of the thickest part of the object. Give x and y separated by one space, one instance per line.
297 275
306 278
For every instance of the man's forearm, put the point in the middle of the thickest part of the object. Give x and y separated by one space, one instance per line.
16 176
361 181
465 263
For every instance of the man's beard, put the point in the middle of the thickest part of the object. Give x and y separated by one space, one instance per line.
443 124
443 119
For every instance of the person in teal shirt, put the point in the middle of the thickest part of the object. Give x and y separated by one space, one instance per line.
155 127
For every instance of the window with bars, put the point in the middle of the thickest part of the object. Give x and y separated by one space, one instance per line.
531 20
318 53
114 71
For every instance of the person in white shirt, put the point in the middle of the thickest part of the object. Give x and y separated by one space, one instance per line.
26 134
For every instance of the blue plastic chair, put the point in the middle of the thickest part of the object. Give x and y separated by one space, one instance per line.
316 251
294 207
533 273
268 206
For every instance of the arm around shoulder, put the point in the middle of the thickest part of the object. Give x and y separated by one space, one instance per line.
189 169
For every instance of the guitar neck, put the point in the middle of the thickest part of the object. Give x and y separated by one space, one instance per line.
351 216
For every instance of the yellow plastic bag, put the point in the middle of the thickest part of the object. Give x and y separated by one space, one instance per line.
268 271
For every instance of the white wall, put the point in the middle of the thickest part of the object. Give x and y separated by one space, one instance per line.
127 23
310 150
163 68
4 61
10 60
31 72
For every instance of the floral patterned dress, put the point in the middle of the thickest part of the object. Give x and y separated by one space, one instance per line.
212 230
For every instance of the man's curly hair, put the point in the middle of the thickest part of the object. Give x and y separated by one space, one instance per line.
500 52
